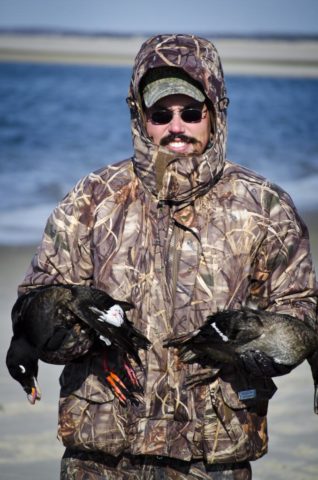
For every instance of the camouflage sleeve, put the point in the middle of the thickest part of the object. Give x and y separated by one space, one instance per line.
64 255
284 278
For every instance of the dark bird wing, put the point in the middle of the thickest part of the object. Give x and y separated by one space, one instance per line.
235 327
100 311
218 337
229 327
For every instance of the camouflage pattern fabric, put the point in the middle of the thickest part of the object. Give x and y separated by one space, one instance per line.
149 468
180 238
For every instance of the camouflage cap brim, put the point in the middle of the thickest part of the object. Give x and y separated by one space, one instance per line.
166 86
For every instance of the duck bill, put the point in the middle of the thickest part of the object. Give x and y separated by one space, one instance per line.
35 393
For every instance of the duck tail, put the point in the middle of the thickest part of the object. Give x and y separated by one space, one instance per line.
313 362
316 399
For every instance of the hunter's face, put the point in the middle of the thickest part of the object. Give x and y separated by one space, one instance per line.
180 124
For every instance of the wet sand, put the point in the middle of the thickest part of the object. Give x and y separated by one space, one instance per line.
29 449
239 56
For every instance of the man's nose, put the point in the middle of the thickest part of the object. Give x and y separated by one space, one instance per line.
176 124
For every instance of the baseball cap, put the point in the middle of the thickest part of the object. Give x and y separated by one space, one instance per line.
163 81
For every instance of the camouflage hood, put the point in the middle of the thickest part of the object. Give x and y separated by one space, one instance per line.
179 180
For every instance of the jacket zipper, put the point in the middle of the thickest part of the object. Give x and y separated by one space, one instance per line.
174 260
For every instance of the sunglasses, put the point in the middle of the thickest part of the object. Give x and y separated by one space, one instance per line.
188 115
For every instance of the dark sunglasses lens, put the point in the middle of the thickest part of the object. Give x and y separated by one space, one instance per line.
188 115
161 117
191 115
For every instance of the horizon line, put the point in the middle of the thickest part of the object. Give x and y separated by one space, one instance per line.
35 30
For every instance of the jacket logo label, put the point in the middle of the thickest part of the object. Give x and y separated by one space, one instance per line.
247 394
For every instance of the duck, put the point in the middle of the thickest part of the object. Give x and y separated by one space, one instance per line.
60 323
227 336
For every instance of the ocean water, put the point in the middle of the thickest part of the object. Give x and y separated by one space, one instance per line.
59 122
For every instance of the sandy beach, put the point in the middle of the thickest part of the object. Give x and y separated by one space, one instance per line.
276 57
29 449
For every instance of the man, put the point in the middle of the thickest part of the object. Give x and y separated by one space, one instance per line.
180 232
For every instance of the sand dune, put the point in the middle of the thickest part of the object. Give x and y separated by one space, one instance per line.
240 56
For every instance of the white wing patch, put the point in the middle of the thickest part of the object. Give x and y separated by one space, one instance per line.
222 335
105 340
114 315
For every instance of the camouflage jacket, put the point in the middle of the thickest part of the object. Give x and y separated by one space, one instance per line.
179 238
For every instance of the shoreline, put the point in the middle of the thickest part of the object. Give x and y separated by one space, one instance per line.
274 57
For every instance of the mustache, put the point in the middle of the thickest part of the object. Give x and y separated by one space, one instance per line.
177 136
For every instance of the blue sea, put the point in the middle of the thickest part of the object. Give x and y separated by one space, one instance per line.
59 122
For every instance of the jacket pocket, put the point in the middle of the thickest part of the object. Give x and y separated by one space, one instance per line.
90 419
251 393
235 427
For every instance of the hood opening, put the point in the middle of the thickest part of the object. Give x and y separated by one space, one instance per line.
199 60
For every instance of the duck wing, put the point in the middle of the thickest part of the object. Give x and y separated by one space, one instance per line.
107 318
227 329
234 327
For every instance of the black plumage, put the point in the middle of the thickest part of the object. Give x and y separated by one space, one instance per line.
226 337
60 323
113 369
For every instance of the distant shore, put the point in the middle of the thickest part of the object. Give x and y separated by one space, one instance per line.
250 56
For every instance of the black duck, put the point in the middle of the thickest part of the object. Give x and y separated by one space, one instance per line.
59 323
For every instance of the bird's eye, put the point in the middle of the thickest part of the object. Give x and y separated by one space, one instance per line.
22 368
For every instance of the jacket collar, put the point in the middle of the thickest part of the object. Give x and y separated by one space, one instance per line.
176 180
